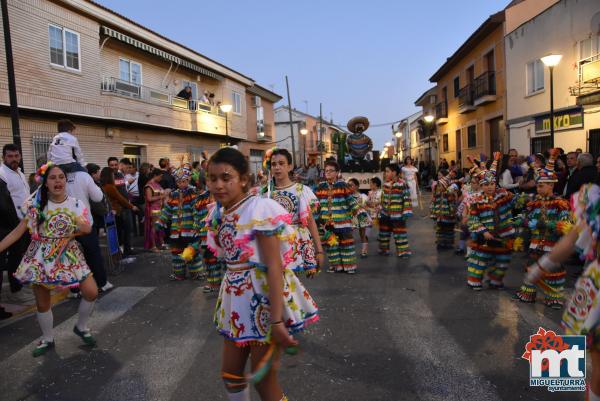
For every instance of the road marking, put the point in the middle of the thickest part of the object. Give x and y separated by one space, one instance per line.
21 366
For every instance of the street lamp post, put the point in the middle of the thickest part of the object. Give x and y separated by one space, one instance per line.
429 120
226 108
551 61
303 132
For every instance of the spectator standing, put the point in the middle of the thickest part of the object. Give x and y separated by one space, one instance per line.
9 221
144 175
154 195
586 173
506 179
167 181
571 168
18 188
312 175
124 217
81 186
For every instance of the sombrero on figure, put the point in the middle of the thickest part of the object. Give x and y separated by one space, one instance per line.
358 120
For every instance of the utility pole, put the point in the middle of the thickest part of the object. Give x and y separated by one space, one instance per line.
320 136
12 87
287 85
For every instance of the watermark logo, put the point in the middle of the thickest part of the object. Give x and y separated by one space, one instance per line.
556 362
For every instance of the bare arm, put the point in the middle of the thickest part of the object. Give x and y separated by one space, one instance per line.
314 232
14 235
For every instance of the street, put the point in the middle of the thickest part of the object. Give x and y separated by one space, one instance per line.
398 330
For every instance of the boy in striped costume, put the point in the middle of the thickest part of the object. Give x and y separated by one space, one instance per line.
396 207
491 227
548 217
179 212
338 206
445 213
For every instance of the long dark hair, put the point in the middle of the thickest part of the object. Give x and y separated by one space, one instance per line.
107 176
41 199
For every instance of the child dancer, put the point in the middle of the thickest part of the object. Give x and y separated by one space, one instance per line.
491 227
214 267
445 214
469 191
337 208
300 201
395 209
362 219
54 259
547 217
374 200
261 301
179 213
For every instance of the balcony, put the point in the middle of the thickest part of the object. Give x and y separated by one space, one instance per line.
264 132
587 89
441 113
465 99
156 96
484 88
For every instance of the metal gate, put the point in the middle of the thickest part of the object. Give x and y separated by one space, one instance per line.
540 145
40 144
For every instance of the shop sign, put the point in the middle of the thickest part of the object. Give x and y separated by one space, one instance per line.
563 120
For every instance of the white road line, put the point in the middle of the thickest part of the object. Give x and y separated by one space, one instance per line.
20 366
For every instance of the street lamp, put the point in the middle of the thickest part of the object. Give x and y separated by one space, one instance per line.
226 108
551 61
429 120
303 131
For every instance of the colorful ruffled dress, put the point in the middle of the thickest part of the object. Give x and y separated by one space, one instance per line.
242 312
300 202
362 218
54 258
374 205
582 313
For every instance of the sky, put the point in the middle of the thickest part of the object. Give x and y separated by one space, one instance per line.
356 57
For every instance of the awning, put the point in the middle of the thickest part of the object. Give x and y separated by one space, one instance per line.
159 53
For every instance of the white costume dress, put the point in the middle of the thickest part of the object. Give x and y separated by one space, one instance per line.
410 176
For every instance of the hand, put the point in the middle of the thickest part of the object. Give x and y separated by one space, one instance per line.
320 258
81 222
488 236
135 209
281 337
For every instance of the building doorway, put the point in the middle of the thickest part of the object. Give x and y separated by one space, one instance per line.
594 142
540 144
256 158
496 130
135 153
458 142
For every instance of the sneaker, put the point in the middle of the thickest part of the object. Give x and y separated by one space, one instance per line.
331 270
85 336
363 255
176 277
74 295
351 272
107 287
207 289
42 347
128 260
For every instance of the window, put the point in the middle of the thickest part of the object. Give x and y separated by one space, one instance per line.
236 99
64 47
41 144
535 76
130 71
256 157
589 47
260 119
471 136
445 146
456 86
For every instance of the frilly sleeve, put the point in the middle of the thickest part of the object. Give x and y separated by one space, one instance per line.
585 205
308 204
268 217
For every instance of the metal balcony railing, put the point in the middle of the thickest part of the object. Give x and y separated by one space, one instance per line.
485 85
156 96
465 96
441 109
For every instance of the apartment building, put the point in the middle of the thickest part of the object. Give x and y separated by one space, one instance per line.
423 133
570 28
470 108
119 82
406 133
314 138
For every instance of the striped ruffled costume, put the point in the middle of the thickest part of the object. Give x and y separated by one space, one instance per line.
445 213
338 206
492 214
179 216
396 207
214 267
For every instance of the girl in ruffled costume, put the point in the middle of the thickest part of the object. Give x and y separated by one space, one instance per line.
300 201
54 259
547 217
337 207
395 209
179 215
261 301
469 191
410 175
374 200
491 228
362 218
445 213
582 312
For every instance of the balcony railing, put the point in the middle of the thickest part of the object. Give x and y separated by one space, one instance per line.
465 96
485 85
156 96
441 110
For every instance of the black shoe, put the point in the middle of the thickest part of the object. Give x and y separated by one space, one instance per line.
4 314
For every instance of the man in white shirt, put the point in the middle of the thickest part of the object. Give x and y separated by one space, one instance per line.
65 150
81 185
16 183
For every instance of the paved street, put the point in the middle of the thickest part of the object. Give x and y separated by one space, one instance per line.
398 330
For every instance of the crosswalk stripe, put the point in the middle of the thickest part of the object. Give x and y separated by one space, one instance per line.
155 372
19 367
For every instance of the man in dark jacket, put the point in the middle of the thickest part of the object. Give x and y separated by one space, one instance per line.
8 222
586 173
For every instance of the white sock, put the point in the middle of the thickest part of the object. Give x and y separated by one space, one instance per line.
243 395
592 396
46 322
84 312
